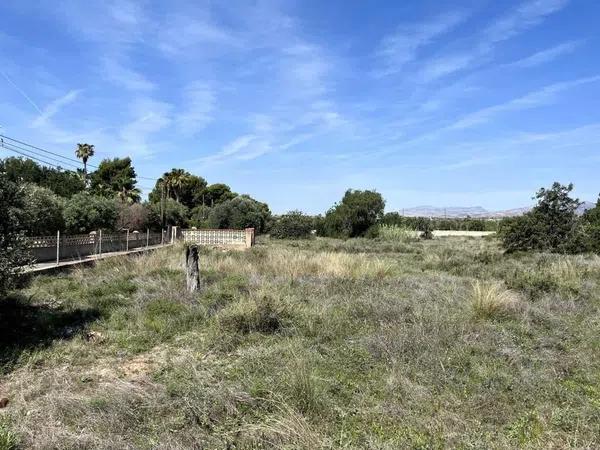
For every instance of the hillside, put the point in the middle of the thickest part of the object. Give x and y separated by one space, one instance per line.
474 211
309 344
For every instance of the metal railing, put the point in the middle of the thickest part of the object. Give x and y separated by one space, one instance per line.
68 247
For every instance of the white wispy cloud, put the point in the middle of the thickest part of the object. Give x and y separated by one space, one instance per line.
121 75
178 34
197 107
516 21
54 107
522 18
245 147
149 117
531 100
546 56
402 46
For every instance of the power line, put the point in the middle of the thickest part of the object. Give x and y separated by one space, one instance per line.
32 157
45 151
7 147
56 154
10 146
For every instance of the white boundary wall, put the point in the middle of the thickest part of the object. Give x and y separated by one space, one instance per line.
220 238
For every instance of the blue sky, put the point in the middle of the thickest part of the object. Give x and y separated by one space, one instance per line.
443 103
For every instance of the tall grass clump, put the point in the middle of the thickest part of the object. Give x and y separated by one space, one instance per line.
492 300
396 233
8 439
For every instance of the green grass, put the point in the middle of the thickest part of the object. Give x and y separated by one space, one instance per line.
309 344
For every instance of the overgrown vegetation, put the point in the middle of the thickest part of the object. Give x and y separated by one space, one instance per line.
293 225
320 343
12 254
552 225
357 212
108 198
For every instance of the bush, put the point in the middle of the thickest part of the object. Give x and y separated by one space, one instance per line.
13 254
199 216
85 212
42 211
132 216
552 225
240 212
354 215
396 234
175 214
293 225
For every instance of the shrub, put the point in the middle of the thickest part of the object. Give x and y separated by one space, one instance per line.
12 246
132 216
396 233
355 214
293 225
240 212
173 213
426 228
85 212
199 216
262 315
42 211
552 225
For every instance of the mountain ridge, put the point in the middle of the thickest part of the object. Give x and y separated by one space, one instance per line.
460 212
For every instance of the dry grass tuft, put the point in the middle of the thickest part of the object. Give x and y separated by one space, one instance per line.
492 300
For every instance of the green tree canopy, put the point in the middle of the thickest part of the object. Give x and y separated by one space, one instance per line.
85 212
116 178
180 186
13 254
84 152
355 214
240 212
64 183
552 225
293 225
42 211
217 193
175 214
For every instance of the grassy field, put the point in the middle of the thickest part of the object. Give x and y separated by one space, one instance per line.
312 344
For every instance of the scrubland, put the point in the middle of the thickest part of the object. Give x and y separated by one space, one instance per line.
310 344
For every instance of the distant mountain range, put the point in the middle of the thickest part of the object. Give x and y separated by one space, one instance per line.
474 211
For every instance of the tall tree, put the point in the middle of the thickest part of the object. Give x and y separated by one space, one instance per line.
84 152
181 186
64 183
115 178
355 214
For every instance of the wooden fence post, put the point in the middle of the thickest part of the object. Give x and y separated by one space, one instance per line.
147 236
192 273
100 242
127 241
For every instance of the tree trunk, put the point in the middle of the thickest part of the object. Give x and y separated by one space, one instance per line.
191 268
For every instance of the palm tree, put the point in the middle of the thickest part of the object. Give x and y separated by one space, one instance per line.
174 181
84 152
178 178
129 195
